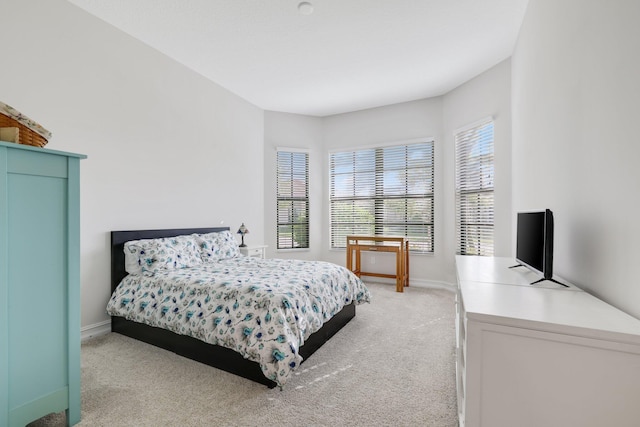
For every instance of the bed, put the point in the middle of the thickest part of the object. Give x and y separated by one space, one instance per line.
221 323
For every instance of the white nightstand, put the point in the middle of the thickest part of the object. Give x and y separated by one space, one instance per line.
258 251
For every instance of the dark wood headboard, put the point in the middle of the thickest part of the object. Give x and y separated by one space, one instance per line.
119 238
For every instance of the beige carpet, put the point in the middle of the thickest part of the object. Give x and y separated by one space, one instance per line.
392 365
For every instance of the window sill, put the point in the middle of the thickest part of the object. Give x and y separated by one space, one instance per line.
411 253
293 250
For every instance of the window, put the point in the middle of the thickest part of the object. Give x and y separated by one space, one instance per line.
293 199
383 191
474 189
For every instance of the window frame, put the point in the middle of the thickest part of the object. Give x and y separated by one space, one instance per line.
292 199
426 246
474 189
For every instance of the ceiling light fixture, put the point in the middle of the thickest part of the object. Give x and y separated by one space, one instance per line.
305 8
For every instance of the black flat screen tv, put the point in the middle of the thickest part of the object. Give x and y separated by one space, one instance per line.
534 242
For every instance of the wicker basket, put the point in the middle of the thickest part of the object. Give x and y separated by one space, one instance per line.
26 136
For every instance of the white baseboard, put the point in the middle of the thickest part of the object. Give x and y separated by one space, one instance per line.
418 283
104 327
95 330
434 284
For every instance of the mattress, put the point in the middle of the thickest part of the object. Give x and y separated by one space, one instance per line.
264 309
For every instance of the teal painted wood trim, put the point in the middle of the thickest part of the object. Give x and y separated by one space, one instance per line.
4 291
37 163
73 272
42 150
51 403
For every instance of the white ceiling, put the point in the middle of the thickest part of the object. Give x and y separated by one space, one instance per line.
347 55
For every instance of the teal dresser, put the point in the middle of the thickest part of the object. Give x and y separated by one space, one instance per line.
39 284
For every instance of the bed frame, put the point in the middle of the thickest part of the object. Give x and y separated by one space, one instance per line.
192 348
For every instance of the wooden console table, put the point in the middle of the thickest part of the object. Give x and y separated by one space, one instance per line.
397 245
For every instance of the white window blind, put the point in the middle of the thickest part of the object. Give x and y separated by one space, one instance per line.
384 191
293 199
474 189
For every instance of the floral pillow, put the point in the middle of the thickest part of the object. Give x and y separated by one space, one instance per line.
228 245
167 253
217 246
209 249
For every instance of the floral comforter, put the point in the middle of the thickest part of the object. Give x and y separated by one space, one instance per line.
264 309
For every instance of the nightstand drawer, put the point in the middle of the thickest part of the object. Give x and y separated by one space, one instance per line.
254 251
258 251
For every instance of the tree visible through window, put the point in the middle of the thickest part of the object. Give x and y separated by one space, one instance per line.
293 199
474 189
384 191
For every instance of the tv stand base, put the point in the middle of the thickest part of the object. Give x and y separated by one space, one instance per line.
551 280
541 280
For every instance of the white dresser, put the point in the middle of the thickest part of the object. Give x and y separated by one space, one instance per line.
541 355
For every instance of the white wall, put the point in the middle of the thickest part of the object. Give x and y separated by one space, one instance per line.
297 132
351 130
166 148
575 145
398 122
487 95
